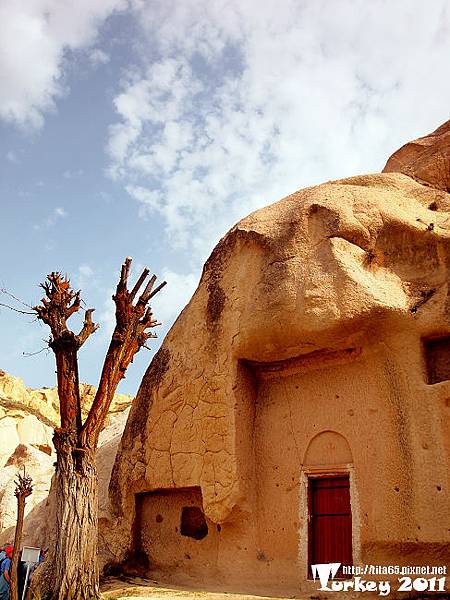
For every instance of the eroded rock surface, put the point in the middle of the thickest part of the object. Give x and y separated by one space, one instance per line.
312 320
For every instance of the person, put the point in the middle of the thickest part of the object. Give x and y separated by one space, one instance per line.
5 574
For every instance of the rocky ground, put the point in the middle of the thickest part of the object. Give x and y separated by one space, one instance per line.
133 589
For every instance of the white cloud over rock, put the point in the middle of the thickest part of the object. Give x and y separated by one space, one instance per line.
249 101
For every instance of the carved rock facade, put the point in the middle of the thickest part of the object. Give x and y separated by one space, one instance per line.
315 350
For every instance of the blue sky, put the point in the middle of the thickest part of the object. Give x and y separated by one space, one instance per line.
147 128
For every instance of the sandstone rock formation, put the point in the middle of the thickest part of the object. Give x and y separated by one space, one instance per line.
314 344
28 416
27 419
427 160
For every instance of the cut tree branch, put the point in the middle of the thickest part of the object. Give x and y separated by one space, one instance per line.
89 327
131 333
60 303
139 282
145 296
128 337
75 306
160 287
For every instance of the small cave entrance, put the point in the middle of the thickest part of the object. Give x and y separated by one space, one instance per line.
437 359
193 523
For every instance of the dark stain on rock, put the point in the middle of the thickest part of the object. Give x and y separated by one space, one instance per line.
446 246
152 379
224 249
419 296
114 489
137 561
216 264
143 401
215 304
157 369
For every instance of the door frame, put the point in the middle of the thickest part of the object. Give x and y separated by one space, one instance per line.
304 509
311 541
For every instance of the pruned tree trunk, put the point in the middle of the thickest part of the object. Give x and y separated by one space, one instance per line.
76 492
70 571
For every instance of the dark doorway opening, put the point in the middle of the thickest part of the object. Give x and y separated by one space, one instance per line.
193 523
330 522
437 356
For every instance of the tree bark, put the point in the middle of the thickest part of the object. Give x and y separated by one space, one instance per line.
74 557
65 349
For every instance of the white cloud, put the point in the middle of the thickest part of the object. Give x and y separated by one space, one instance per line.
86 270
57 213
158 100
84 278
150 200
169 302
69 174
98 57
12 157
34 39
250 101
107 317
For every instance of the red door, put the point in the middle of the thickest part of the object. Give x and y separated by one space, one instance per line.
330 521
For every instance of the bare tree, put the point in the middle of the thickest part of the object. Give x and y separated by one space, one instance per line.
71 570
24 488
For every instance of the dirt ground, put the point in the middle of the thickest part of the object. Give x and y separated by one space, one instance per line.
133 589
